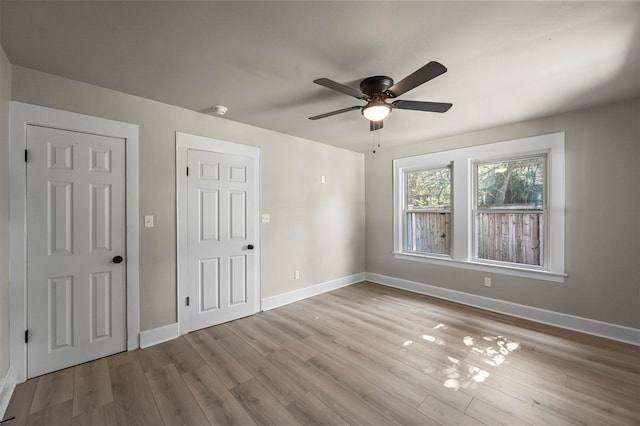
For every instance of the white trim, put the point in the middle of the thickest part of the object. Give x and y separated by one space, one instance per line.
571 322
7 385
22 115
513 271
314 290
184 142
159 335
462 216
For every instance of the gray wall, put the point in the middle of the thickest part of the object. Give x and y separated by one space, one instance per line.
5 96
602 237
316 229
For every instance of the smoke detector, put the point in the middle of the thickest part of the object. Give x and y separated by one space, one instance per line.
220 109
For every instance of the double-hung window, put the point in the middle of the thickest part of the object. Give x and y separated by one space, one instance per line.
509 210
428 211
495 208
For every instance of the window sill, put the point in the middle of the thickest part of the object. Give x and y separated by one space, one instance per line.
477 266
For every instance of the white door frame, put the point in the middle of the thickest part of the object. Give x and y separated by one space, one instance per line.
184 142
25 114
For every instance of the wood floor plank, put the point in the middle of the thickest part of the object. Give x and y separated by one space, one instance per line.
262 405
175 402
309 410
217 402
378 396
291 327
261 335
53 389
420 376
153 357
446 414
133 401
362 354
123 358
21 402
104 415
224 364
92 386
572 411
338 358
183 355
605 391
348 405
279 382
58 414
490 415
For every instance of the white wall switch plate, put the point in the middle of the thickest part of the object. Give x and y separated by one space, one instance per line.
266 218
148 221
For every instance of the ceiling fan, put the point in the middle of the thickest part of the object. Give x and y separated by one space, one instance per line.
377 89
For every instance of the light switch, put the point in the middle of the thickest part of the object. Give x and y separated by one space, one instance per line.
148 221
266 218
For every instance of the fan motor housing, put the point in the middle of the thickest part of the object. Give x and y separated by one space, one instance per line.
375 84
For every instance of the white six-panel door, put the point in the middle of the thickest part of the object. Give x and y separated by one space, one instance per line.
76 227
221 232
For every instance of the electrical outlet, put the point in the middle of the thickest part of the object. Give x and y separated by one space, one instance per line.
266 218
487 281
296 275
322 179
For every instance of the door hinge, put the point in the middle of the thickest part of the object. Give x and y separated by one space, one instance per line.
26 336
186 301
187 171
26 155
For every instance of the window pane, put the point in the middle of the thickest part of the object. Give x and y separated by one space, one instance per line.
510 237
515 184
429 189
429 232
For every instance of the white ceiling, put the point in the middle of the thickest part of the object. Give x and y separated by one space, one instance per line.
507 61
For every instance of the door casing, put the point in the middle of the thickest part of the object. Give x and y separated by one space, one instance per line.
184 142
25 114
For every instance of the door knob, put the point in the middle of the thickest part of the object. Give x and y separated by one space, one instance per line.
250 246
117 259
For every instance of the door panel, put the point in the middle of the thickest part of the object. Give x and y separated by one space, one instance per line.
221 226
75 226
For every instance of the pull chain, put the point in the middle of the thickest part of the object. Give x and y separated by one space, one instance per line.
376 134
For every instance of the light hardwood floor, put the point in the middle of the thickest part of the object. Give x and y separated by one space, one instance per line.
365 355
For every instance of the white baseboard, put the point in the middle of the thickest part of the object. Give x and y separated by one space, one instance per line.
314 290
584 325
7 385
159 335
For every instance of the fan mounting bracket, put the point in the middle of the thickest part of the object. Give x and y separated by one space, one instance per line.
375 84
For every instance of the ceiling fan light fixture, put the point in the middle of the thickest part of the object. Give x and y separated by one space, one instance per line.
376 111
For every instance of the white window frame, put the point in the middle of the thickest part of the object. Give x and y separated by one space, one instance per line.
405 209
462 228
544 212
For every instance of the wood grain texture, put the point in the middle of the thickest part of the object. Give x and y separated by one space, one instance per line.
363 354
92 386
175 402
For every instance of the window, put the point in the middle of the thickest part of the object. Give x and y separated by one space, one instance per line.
428 211
509 210
496 207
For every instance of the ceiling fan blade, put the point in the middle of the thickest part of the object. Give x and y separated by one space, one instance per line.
424 74
330 84
423 106
329 114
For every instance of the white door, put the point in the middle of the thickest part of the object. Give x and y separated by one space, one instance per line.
75 233
221 237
